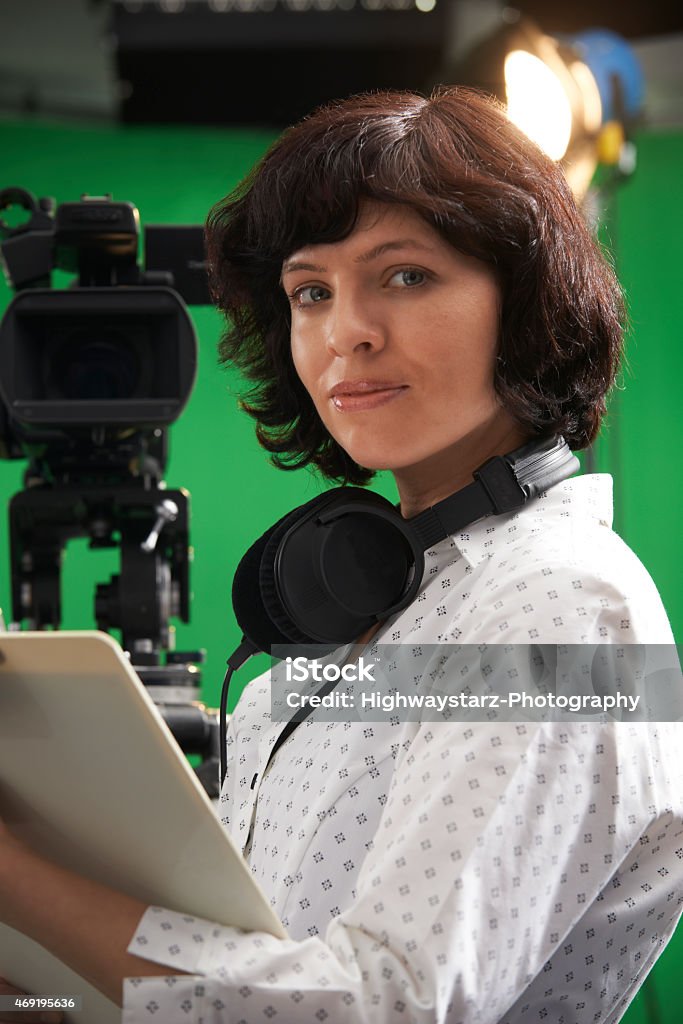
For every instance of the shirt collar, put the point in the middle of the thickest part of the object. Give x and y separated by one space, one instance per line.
588 497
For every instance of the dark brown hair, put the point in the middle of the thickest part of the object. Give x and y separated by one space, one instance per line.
458 162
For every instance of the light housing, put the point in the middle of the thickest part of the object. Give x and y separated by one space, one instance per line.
560 91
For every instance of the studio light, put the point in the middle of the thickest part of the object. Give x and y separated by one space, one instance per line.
575 96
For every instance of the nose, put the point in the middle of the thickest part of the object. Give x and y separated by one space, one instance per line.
355 325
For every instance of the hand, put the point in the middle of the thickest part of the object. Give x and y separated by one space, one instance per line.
25 1016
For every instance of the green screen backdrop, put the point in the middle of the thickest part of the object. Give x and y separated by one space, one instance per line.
173 175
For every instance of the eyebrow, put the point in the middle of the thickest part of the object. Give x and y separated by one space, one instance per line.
289 266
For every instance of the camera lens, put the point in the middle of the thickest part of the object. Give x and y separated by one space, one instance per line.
105 368
119 357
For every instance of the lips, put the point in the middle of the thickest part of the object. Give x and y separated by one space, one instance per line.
357 395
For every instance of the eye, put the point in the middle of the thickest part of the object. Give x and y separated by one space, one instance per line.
309 295
409 277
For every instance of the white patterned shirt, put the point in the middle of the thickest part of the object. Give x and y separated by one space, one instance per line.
452 872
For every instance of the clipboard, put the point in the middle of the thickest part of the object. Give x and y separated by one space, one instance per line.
91 777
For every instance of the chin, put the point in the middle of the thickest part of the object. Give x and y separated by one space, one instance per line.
378 461
378 453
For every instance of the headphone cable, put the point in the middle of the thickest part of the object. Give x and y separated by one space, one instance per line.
242 653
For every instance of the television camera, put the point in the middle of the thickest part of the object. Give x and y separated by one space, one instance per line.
91 377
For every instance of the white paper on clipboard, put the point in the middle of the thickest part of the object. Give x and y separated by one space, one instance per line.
91 777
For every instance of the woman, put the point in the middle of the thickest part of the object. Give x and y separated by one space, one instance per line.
411 288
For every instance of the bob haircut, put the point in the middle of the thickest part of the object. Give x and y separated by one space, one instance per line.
456 160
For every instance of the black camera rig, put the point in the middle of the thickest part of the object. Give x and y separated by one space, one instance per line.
91 377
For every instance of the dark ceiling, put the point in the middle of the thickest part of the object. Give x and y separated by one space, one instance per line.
270 69
631 18
198 66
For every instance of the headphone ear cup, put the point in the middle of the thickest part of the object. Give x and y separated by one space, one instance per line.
340 566
269 591
255 600
326 571
248 606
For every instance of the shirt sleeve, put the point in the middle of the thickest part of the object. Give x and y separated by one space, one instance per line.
484 860
557 601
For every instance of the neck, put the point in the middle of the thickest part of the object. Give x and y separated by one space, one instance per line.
432 480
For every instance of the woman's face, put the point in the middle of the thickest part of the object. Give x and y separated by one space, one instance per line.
394 335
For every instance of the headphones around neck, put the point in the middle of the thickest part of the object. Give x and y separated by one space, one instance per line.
333 567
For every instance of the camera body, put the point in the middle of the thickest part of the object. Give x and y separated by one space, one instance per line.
115 353
91 377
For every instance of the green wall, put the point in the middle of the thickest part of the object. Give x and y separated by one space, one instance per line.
174 175
641 441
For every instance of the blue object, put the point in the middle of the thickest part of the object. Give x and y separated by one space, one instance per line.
607 56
